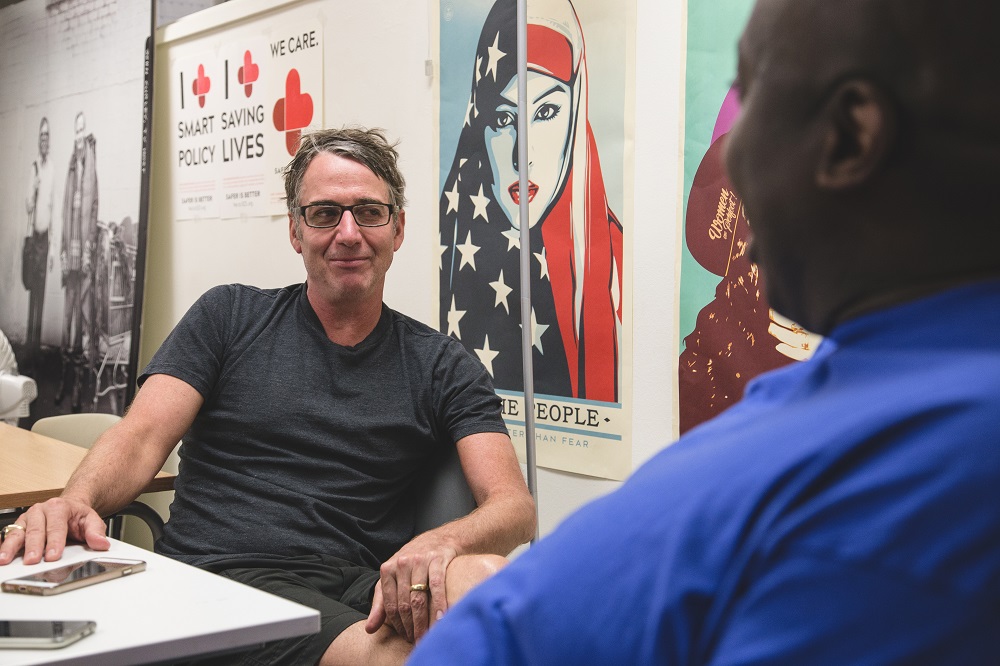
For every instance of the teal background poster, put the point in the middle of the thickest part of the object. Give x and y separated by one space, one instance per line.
714 29
728 332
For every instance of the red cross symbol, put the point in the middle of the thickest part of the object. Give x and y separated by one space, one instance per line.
248 73
293 112
201 85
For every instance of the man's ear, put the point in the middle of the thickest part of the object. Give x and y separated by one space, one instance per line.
861 131
397 230
293 236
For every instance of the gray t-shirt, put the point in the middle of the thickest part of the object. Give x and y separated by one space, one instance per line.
304 446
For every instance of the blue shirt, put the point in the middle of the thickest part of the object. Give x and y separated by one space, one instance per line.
844 512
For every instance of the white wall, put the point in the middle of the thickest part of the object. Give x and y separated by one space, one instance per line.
186 257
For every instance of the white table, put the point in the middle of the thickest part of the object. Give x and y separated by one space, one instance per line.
170 611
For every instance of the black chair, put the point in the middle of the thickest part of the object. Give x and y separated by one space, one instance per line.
444 494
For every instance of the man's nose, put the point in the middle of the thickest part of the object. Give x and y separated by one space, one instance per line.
348 230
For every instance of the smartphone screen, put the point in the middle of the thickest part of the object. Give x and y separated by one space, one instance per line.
72 576
20 634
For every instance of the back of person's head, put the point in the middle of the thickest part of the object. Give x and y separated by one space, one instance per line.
370 147
865 150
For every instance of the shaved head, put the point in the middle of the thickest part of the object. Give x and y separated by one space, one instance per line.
941 61
867 139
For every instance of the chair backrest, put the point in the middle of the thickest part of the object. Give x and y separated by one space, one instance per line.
444 495
80 429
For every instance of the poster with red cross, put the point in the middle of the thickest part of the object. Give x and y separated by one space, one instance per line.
295 54
237 114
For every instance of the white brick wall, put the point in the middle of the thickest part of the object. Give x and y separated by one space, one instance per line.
168 11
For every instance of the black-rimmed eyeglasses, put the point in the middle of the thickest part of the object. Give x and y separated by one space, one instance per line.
327 215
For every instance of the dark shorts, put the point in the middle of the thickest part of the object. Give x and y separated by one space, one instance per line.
339 590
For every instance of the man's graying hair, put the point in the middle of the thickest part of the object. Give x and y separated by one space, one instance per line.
370 147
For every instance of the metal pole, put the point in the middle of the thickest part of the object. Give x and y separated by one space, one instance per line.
525 227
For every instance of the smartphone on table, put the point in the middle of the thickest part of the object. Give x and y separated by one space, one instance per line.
72 576
30 634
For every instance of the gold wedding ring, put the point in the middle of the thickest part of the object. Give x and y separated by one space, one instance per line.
418 587
12 526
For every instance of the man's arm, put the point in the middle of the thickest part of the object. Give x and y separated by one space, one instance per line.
504 519
114 472
31 198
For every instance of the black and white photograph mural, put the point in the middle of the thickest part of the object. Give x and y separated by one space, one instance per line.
71 132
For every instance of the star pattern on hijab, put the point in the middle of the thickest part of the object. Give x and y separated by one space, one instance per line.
468 250
503 291
467 198
480 202
495 54
452 196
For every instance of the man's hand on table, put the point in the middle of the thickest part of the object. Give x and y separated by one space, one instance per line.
46 528
422 562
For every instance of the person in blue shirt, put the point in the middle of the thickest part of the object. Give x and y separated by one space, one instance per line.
844 512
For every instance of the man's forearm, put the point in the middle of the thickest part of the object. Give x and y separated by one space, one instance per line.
127 456
111 475
506 515
498 526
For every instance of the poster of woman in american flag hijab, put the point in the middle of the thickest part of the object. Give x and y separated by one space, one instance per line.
576 232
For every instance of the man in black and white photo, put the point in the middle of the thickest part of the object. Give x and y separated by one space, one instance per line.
79 240
38 204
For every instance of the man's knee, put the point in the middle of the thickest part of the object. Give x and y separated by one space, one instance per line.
356 646
467 571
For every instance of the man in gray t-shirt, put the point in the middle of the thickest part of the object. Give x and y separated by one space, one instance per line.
308 413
